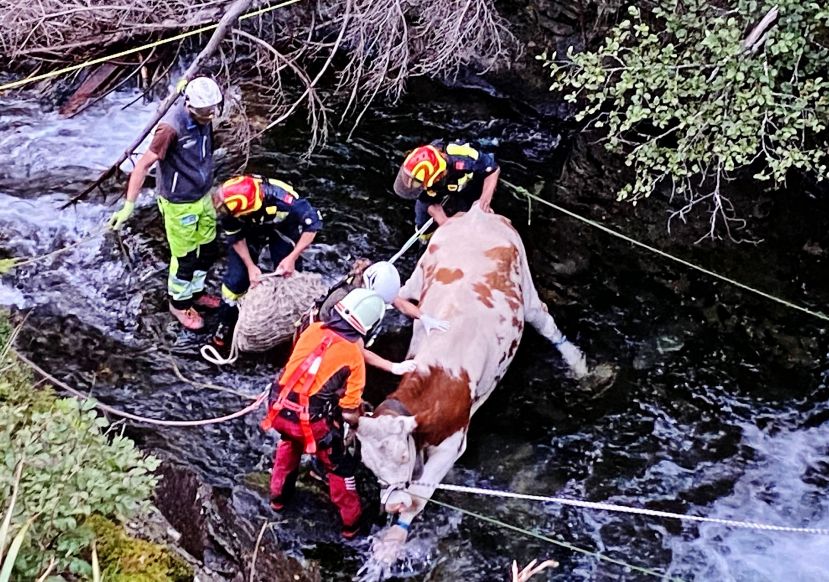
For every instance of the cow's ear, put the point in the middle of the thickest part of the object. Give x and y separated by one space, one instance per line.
406 424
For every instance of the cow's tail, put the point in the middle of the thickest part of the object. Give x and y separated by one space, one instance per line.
537 315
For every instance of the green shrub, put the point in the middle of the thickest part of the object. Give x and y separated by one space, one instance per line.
74 465
680 91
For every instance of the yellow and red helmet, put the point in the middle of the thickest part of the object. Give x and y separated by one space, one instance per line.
241 195
421 169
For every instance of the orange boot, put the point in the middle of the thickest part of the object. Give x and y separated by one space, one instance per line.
189 318
209 302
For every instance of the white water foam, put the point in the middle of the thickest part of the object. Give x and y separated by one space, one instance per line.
772 490
44 159
37 144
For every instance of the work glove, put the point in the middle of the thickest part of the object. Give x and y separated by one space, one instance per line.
400 368
573 356
431 324
117 220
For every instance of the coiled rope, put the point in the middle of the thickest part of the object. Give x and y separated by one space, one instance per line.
183 35
524 192
625 509
268 314
143 419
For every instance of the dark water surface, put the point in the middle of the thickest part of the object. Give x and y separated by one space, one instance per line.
719 408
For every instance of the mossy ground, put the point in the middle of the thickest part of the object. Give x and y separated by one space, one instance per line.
127 559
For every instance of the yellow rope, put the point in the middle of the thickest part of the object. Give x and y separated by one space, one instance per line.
529 195
8 264
69 69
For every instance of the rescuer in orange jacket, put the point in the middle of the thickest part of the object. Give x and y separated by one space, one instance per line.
320 389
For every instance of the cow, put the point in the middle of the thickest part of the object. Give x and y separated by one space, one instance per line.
474 274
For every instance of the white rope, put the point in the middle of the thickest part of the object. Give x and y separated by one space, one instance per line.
411 240
182 423
624 509
156 421
212 355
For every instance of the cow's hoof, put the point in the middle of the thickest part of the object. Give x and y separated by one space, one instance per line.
600 379
387 545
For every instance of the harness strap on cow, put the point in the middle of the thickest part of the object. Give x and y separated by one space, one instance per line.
394 406
307 370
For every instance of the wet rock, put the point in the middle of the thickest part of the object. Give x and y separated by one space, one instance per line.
215 533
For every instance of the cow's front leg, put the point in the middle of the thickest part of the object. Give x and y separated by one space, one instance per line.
411 501
439 459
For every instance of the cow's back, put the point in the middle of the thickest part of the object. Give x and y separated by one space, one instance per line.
472 276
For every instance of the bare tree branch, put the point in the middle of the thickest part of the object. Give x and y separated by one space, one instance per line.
233 12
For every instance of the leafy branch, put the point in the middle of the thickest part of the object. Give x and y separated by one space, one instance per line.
693 100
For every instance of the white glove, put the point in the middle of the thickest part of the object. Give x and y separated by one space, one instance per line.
431 324
574 357
400 368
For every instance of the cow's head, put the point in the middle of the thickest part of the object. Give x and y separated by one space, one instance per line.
387 447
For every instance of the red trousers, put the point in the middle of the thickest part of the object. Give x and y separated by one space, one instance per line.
342 488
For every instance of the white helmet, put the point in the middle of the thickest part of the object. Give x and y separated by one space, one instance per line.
382 278
202 92
362 309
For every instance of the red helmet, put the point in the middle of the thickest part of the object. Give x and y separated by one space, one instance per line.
241 195
421 169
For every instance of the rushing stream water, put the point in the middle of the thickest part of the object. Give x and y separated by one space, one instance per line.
719 408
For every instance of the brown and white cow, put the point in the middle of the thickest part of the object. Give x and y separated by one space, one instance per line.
475 275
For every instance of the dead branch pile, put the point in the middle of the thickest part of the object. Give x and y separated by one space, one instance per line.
331 55
69 30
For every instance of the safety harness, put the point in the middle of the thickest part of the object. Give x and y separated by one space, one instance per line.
306 372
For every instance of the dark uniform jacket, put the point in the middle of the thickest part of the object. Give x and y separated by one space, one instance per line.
466 168
283 214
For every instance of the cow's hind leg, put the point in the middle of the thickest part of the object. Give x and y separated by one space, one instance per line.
537 315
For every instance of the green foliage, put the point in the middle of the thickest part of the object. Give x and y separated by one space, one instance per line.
681 95
126 559
72 469
6 330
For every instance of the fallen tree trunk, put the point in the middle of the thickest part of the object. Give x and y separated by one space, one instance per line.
233 13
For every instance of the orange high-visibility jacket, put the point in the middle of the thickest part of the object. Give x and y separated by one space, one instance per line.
342 371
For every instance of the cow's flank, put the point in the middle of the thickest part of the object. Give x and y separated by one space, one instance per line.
505 275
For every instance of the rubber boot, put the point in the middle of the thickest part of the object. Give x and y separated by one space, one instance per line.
207 302
228 316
